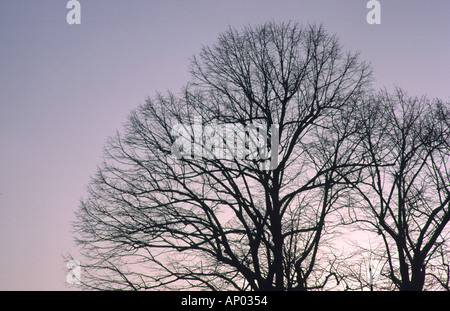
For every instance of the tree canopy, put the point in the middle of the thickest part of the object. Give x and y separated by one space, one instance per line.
249 177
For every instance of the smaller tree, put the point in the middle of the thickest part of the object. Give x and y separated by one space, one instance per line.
404 196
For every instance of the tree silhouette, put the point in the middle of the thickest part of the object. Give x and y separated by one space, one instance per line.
158 216
246 178
404 197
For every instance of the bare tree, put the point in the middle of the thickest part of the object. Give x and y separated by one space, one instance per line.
161 215
404 196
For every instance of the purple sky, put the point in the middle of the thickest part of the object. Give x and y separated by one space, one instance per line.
65 88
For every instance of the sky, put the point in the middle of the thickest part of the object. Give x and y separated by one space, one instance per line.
64 89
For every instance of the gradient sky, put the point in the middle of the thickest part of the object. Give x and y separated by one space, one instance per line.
65 88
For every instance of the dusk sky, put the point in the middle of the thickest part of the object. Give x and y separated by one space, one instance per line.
64 89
